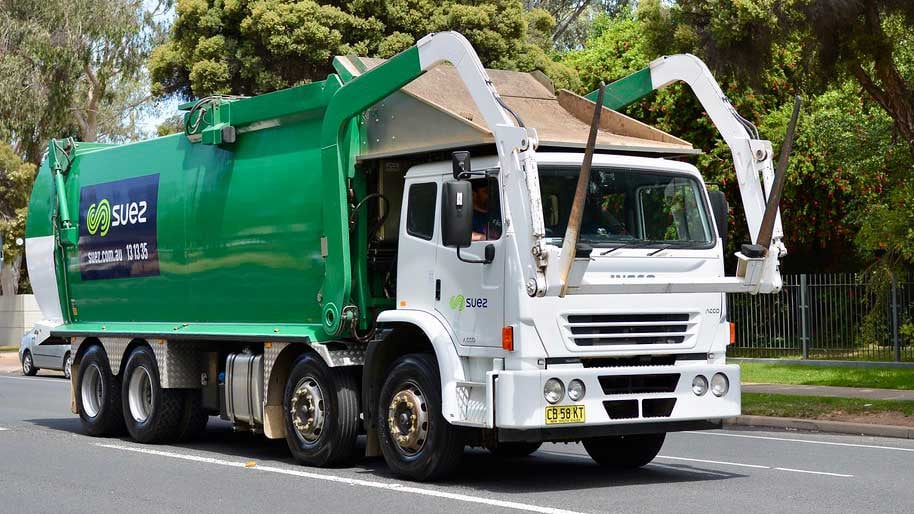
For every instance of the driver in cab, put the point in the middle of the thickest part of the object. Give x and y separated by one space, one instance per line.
486 216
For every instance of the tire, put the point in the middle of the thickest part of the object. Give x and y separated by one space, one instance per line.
98 395
624 452
28 365
67 365
321 413
194 418
152 414
516 450
411 393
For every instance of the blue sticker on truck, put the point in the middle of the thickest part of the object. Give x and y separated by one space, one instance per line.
117 229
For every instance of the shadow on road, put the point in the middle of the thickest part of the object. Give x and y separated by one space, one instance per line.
544 471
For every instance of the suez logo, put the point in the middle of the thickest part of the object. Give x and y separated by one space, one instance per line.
459 302
101 216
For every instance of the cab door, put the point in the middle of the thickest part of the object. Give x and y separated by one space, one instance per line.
418 244
471 295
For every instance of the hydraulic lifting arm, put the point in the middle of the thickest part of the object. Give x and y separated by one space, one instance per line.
752 158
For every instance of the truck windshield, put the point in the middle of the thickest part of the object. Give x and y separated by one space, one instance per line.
627 207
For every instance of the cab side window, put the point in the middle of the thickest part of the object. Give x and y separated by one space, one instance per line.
486 209
420 210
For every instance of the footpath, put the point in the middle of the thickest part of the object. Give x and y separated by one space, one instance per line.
821 425
9 363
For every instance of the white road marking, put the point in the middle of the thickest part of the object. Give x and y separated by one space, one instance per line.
721 462
38 379
815 472
2 429
828 443
725 463
679 469
390 486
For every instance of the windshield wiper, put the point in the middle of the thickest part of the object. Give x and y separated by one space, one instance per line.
633 244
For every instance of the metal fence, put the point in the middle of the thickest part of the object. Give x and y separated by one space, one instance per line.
826 316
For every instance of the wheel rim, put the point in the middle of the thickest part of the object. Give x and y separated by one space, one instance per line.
27 363
139 394
68 367
308 410
92 391
407 419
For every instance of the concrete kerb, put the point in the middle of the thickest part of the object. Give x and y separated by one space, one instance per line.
814 425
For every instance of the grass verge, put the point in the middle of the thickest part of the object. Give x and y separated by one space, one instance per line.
10 348
815 407
879 378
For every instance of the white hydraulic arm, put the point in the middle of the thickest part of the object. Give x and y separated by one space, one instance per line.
757 270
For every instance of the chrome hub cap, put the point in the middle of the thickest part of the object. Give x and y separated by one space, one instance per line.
27 363
91 391
407 419
68 367
139 394
308 410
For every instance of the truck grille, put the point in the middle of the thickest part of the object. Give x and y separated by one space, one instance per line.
629 329
639 384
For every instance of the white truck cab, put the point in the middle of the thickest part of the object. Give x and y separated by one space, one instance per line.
633 359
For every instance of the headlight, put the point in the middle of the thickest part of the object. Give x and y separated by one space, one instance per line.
699 385
554 390
576 390
719 384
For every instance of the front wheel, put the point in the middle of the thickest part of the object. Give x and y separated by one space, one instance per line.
625 451
416 440
28 365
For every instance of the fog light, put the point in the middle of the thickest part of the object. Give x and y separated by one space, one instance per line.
699 385
554 390
576 390
719 384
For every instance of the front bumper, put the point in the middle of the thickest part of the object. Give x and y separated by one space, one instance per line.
618 399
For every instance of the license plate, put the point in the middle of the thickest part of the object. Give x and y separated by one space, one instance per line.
557 414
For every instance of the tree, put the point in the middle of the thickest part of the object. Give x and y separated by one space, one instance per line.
73 68
256 46
16 179
830 179
573 18
860 39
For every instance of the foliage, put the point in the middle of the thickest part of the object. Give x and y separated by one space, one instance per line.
16 179
831 183
255 46
573 18
70 68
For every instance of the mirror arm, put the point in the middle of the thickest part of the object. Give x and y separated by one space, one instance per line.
473 261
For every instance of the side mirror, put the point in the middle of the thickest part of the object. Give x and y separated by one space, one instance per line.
721 211
461 162
457 213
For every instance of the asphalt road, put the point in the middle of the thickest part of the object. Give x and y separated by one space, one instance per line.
48 465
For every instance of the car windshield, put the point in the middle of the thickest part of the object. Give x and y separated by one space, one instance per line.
627 207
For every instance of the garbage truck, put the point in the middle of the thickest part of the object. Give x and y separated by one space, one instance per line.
417 251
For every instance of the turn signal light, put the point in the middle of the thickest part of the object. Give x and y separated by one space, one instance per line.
732 333
507 338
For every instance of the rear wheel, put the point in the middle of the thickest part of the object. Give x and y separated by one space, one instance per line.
321 413
416 440
67 365
514 450
626 451
98 395
194 418
28 365
152 414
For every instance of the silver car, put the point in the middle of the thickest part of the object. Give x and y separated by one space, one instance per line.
35 356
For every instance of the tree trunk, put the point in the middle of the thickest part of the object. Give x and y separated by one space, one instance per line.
9 276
